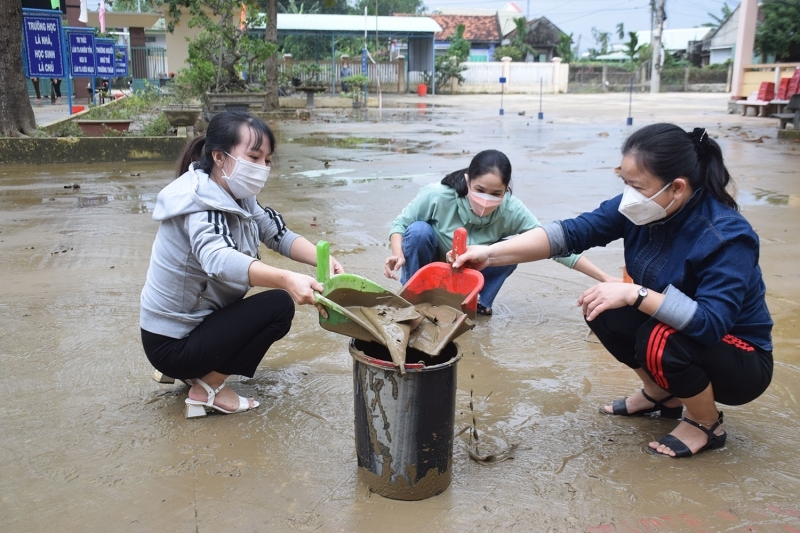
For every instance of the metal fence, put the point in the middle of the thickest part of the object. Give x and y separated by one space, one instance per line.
148 62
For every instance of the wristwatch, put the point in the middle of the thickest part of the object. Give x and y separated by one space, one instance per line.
642 293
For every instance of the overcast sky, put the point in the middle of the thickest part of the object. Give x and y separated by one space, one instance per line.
579 16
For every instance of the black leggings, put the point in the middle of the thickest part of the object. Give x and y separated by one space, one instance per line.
738 372
56 87
232 340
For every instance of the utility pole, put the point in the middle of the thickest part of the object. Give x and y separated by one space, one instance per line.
659 16
528 11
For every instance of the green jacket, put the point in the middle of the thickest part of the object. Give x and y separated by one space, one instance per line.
441 207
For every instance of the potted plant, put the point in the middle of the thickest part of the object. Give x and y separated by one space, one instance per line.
180 108
222 56
311 72
356 85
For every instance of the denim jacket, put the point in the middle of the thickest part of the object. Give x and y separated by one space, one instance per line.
704 259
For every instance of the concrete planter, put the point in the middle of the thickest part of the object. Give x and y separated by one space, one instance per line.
98 128
182 117
219 101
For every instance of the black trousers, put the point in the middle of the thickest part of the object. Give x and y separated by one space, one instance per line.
232 340
56 84
738 372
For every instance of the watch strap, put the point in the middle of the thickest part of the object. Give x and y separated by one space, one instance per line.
641 294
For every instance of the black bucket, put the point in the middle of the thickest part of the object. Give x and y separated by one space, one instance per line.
404 424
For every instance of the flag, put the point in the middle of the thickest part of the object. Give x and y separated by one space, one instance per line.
102 16
84 16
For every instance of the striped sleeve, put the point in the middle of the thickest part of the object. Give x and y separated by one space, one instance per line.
215 248
273 230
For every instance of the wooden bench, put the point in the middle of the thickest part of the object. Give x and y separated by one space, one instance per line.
792 115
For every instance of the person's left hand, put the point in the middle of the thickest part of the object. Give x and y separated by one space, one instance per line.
336 267
605 296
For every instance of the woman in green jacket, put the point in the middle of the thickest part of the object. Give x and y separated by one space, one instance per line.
479 199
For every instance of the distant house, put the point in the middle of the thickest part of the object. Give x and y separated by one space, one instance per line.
543 36
505 16
719 44
482 31
680 42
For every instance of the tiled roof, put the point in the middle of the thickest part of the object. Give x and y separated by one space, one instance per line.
477 28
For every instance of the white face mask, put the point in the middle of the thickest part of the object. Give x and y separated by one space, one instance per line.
246 179
640 209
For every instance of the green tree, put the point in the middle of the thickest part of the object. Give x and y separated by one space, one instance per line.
564 49
223 42
621 30
508 51
779 31
131 6
299 8
602 38
632 47
459 47
330 7
718 20
520 38
16 113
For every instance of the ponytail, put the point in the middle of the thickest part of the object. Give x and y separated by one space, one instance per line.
485 162
191 153
455 180
712 167
668 152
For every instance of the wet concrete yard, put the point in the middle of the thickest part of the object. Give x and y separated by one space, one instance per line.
91 443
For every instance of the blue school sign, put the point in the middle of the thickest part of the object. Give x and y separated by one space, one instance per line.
44 56
81 53
105 57
121 60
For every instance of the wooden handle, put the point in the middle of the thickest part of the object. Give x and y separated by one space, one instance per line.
323 262
459 241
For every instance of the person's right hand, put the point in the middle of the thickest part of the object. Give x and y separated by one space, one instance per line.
301 288
392 264
475 257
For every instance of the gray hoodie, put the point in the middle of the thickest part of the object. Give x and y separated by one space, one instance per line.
202 252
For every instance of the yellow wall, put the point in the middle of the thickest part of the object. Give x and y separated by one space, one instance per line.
753 78
177 44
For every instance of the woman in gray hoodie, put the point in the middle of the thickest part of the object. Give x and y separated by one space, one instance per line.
196 323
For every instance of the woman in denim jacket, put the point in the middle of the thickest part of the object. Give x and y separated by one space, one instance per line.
694 324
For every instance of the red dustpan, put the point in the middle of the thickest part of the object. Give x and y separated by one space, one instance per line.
439 283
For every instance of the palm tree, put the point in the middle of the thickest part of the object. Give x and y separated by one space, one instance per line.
717 22
632 47
519 40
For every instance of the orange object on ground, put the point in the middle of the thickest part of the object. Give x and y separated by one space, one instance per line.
77 109
422 89
625 276
441 284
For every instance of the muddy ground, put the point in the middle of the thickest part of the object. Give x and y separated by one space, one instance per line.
91 443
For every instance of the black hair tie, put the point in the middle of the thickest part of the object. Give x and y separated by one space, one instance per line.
699 137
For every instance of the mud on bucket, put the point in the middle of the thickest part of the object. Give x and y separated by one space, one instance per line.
404 424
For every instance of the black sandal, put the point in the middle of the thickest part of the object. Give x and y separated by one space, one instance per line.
681 450
483 310
618 408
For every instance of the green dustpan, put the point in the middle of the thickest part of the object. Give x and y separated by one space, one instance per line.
343 294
